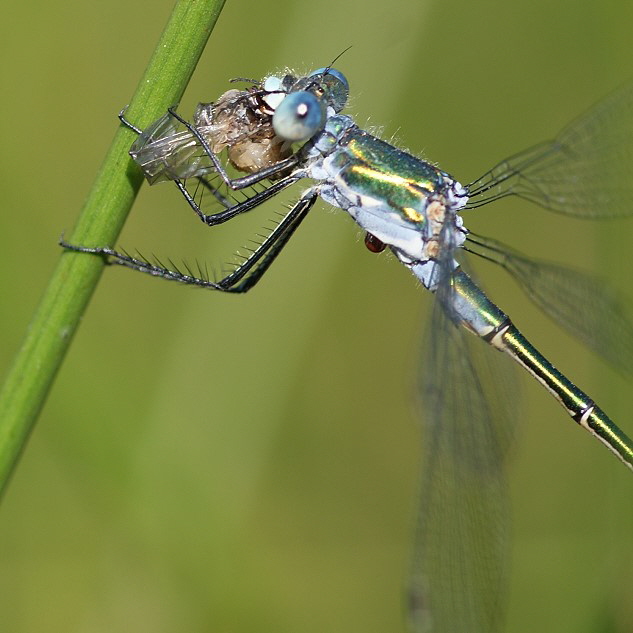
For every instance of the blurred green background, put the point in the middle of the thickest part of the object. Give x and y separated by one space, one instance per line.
238 464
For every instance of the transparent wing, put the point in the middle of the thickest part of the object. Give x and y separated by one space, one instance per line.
583 304
459 567
166 150
585 171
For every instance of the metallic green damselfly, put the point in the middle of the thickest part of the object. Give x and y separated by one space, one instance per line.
288 128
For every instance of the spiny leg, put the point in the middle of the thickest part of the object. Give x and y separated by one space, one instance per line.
265 254
127 123
241 207
242 279
157 269
213 190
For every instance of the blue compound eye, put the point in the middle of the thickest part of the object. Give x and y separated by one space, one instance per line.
299 117
336 86
330 71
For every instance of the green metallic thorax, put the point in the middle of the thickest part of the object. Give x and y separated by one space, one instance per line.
390 177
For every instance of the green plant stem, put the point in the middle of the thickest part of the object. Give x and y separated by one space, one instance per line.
99 223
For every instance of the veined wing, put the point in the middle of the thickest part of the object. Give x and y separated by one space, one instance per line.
459 568
581 303
166 150
584 172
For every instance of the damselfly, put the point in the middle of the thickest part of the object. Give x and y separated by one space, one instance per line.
288 128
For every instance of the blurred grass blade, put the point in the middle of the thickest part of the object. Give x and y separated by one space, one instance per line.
99 223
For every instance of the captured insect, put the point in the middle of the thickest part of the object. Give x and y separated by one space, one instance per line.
289 128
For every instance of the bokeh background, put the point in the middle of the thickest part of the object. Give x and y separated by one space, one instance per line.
248 463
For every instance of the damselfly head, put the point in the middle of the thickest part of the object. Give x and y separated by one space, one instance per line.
301 104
